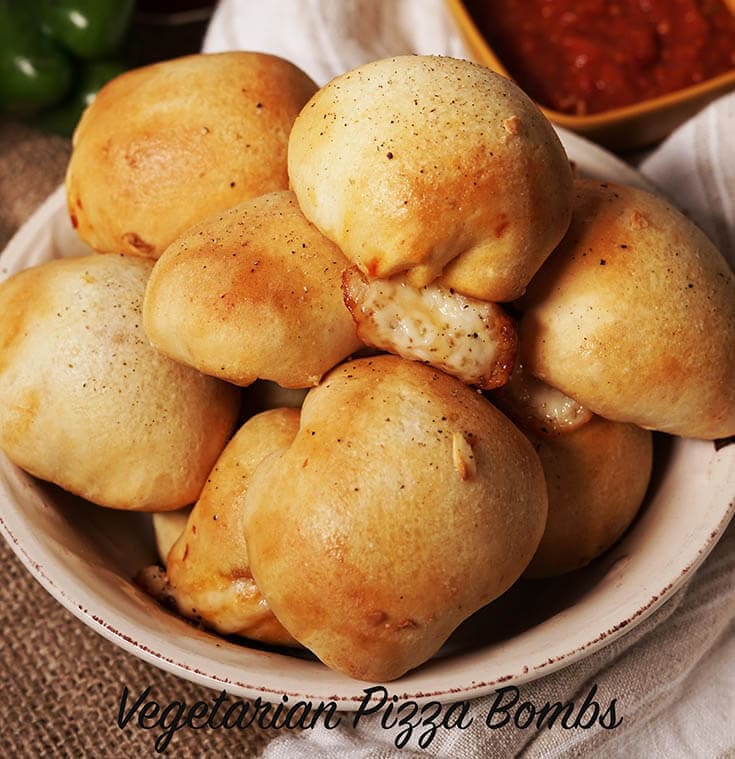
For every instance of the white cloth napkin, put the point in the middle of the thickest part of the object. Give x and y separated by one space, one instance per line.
695 167
674 675
329 37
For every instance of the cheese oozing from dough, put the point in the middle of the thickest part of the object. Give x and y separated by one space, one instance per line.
539 407
469 338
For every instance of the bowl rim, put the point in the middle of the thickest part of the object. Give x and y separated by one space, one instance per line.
478 44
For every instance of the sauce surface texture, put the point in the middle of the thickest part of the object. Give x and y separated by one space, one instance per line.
588 56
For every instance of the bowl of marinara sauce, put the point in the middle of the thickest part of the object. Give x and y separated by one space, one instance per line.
622 72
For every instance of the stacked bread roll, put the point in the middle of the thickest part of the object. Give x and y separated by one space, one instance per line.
381 265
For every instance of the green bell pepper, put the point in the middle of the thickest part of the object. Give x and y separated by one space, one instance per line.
34 72
87 28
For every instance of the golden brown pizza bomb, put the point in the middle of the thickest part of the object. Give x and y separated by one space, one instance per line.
405 503
436 167
208 573
597 476
88 404
254 292
633 316
164 146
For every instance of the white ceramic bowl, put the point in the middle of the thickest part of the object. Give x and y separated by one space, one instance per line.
85 556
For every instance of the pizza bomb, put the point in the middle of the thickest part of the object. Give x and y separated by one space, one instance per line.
164 146
252 293
404 503
633 316
87 403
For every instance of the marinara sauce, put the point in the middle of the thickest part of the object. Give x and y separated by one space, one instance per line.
587 56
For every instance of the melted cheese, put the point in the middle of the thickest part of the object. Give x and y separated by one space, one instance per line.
469 338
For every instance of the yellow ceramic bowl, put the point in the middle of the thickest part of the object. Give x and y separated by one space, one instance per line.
634 126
